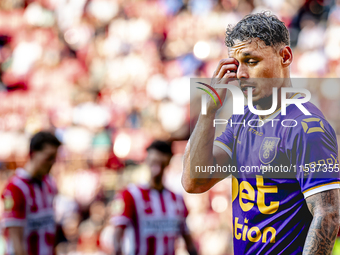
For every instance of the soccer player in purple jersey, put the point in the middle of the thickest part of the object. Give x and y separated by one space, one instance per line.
298 214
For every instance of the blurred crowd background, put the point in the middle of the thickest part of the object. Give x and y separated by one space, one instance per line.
109 76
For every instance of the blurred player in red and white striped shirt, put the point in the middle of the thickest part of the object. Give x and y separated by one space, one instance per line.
28 219
156 214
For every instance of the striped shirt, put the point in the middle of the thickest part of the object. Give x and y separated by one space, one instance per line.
28 203
157 218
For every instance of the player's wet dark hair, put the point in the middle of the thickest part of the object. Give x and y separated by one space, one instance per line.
264 26
161 146
40 139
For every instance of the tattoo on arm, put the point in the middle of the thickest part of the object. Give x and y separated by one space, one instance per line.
324 207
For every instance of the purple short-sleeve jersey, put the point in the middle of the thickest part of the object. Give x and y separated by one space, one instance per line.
270 214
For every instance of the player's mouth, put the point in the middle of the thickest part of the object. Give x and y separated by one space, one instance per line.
245 87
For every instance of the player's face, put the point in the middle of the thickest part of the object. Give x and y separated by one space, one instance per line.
44 159
258 66
157 162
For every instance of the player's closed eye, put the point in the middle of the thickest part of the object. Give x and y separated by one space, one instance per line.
252 62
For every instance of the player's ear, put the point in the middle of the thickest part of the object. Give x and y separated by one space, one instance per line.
286 55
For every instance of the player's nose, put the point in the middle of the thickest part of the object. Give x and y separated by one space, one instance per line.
242 72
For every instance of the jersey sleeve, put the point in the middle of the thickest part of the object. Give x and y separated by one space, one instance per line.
124 209
312 148
14 205
226 140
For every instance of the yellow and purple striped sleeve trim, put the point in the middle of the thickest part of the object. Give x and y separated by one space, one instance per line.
321 187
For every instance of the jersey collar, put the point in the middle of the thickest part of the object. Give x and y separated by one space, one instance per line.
22 173
278 111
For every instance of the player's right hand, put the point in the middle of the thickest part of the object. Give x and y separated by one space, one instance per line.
225 72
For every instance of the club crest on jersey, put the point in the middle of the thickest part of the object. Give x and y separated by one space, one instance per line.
8 203
268 149
118 206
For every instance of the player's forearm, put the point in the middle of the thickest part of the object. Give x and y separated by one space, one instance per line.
199 152
19 247
20 251
322 234
16 235
324 207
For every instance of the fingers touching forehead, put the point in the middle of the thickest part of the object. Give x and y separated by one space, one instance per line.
225 61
